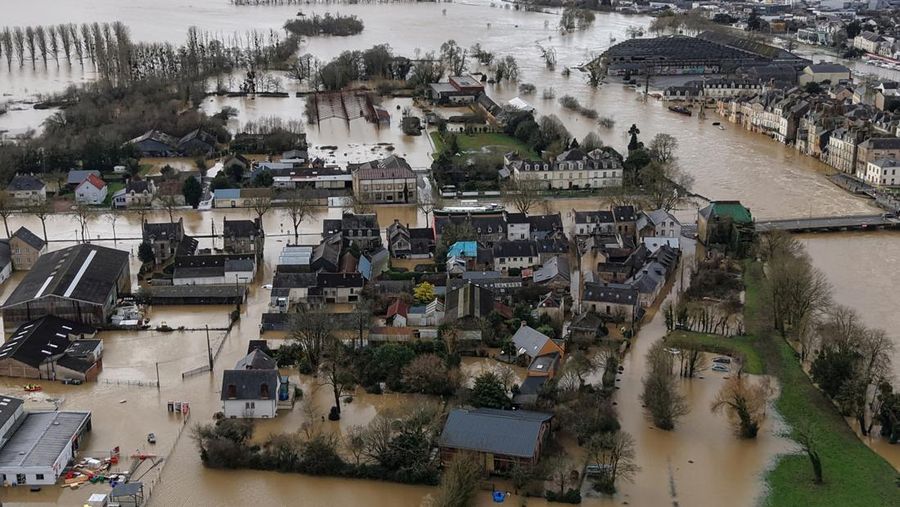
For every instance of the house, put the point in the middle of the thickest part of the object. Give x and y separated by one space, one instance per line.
361 230
80 283
6 265
76 176
468 302
168 239
587 328
883 172
868 41
227 198
326 255
551 247
875 148
250 393
494 281
430 315
295 259
38 446
154 143
501 439
833 73
244 236
25 248
171 189
541 227
588 223
456 91
651 278
137 193
52 348
340 287
256 359
725 223
515 255
625 221
26 190
92 191
406 242
289 289
488 228
658 223
552 306
397 313
388 180
197 143
373 263
612 300
227 269
543 353
571 169
554 273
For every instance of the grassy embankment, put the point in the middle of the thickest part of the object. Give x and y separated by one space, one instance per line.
499 143
853 473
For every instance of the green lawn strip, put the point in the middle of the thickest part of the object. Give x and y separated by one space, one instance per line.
111 190
475 142
854 474
741 347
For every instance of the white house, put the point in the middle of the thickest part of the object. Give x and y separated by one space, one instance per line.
883 172
572 169
515 255
92 190
658 223
250 394
26 189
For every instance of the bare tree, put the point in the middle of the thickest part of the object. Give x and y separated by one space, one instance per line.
691 361
112 217
82 214
523 194
170 204
743 402
459 482
662 147
355 443
6 209
430 202
338 373
778 244
298 205
614 453
665 184
361 204
313 330
261 205
42 210
806 437
660 394
799 291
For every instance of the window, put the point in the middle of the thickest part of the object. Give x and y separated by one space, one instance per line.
20 478
232 391
264 391
249 405
39 477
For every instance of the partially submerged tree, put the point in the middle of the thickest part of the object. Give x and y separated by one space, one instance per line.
42 210
81 214
6 210
313 330
523 194
337 373
298 205
459 482
614 454
489 392
744 402
660 395
261 206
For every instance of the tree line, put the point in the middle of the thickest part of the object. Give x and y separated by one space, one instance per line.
328 24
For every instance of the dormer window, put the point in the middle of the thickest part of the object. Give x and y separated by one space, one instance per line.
232 391
264 391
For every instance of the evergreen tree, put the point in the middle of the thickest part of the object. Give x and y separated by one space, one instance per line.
192 191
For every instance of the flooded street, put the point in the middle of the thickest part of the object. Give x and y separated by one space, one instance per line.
773 180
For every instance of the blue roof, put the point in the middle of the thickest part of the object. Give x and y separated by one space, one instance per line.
463 249
228 193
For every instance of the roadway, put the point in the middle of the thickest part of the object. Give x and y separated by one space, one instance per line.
812 224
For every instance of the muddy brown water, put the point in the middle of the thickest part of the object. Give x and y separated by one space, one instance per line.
773 180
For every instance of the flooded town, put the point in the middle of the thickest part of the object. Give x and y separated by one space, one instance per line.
460 253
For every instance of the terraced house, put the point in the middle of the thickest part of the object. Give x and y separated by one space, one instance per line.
389 180
572 169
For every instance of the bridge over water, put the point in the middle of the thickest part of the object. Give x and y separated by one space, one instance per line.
831 224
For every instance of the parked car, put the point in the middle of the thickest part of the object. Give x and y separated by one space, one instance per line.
151 438
722 360
73 381
720 368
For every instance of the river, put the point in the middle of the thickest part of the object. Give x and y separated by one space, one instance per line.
773 180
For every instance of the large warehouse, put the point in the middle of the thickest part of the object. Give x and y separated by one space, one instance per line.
79 283
708 53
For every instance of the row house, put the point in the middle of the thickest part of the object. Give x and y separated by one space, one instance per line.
875 148
883 173
842 149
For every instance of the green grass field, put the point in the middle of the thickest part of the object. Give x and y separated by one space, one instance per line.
498 143
854 474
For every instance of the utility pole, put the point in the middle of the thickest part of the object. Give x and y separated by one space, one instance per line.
157 375
209 349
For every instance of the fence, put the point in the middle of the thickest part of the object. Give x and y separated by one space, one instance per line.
130 382
156 473
195 371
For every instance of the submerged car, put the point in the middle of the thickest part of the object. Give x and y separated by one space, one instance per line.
720 368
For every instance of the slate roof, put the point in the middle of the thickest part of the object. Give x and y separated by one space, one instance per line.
594 217
361 221
610 293
624 213
163 230
83 272
529 341
391 167
74 364
589 322
339 280
256 360
545 223
25 182
138 186
76 176
5 254
35 341
554 267
30 238
8 406
248 384
525 248
501 432
827 68
155 135
242 228
239 265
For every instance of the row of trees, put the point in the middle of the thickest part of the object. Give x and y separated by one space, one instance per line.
849 361
328 24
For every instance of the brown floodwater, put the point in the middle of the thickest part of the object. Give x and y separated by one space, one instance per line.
773 180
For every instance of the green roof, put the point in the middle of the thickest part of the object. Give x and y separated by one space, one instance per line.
733 209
